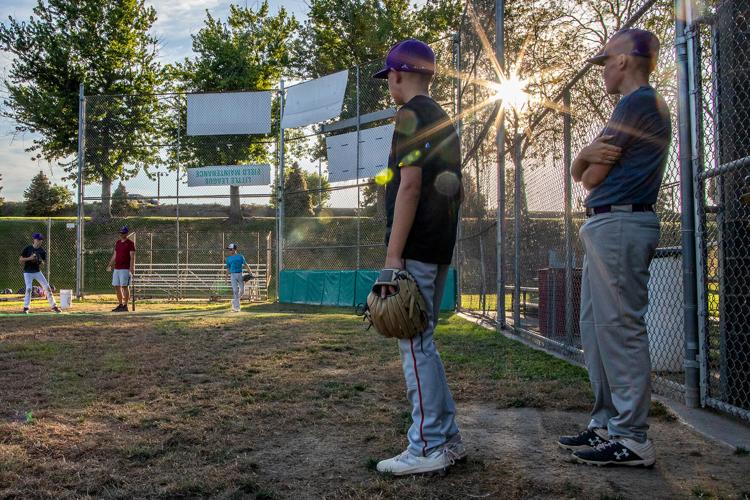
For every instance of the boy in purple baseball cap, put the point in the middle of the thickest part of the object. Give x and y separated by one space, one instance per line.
423 197
32 257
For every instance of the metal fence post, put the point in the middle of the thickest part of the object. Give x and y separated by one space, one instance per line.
692 365
280 202
500 144
458 124
81 183
568 181
359 225
49 247
177 205
517 140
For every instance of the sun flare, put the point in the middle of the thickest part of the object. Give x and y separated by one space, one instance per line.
512 91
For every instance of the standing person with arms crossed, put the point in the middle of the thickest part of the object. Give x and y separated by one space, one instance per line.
622 170
234 263
422 203
32 257
123 260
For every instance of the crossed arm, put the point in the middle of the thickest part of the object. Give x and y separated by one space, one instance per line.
593 163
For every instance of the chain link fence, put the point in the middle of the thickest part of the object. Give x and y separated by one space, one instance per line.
719 58
541 210
137 155
518 253
59 243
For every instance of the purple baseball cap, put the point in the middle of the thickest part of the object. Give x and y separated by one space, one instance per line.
124 230
37 236
412 56
632 42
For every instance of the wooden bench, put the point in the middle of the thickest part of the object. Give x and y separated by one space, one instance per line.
195 280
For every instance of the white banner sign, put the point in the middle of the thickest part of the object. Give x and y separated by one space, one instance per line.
374 147
315 101
226 113
230 175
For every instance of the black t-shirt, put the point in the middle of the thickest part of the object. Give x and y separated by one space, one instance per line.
32 266
425 137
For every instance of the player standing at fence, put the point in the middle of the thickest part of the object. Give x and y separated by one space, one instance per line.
32 257
234 263
622 169
123 260
423 196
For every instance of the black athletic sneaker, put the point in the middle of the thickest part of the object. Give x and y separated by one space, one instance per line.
26 310
619 452
119 308
56 310
590 438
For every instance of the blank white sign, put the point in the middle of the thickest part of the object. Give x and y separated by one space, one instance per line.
374 147
315 101
226 113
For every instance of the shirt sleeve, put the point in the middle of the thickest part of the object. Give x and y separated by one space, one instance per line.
25 252
624 123
42 254
132 246
412 140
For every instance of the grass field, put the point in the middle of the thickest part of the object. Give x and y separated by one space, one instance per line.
296 402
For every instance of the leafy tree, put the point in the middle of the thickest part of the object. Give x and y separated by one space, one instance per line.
61 198
247 52
298 201
44 199
339 34
106 45
373 200
122 205
319 187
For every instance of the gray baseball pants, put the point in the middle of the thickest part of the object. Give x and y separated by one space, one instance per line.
238 288
433 410
614 298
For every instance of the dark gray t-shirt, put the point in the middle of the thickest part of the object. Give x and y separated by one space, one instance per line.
642 127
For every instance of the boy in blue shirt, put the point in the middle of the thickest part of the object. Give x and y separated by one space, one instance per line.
622 170
234 264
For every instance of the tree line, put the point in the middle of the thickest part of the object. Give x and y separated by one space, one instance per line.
109 47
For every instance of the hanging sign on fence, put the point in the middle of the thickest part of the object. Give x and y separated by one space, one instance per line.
374 146
230 175
225 113
315 101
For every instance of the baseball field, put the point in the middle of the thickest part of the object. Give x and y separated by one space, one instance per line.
282 401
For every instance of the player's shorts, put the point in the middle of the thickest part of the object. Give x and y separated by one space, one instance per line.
121 277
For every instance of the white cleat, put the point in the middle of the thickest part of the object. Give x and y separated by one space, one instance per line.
406 463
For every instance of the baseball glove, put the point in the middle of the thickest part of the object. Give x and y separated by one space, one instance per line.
248 277
402 313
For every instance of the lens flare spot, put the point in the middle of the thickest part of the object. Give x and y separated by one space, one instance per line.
411 158
447 184
384 176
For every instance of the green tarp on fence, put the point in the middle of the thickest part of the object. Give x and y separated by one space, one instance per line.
342 288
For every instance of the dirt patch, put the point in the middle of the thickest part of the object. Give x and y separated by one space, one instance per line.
297 403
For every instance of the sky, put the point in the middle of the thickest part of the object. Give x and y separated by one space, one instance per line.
177 21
